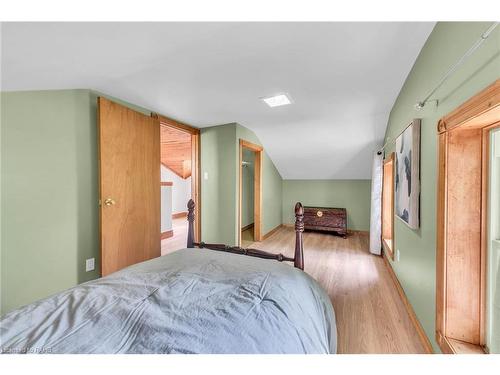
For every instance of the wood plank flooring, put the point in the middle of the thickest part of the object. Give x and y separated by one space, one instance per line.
247 237
371 317
179 239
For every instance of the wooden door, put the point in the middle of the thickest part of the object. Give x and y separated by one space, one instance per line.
129 168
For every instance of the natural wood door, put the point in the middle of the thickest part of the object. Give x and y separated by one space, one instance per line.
129 166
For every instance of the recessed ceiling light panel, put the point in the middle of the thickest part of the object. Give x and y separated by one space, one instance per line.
277 100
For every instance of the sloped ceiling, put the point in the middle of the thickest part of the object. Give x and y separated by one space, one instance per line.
175 150
343 79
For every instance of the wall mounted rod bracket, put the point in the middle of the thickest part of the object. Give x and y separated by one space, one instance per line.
421 104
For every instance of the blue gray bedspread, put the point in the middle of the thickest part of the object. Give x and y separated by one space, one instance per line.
191 301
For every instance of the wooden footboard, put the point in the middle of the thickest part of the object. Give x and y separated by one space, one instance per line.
298 259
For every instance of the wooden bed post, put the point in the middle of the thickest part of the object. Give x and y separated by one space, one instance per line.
190 218
299 228
298 259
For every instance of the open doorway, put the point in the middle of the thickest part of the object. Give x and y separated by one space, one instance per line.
250 194
247 197
388 206
179 181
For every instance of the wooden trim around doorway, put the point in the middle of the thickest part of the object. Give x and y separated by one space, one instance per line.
483 108
462 203
176 124
388 205
195 164
257 188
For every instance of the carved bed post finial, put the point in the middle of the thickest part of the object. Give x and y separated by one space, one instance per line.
190 218
299 228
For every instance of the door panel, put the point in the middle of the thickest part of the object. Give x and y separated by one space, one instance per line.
129 168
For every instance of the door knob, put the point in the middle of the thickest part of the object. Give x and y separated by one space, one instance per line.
109 202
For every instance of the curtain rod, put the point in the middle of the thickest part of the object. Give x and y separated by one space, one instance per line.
419 105
389 140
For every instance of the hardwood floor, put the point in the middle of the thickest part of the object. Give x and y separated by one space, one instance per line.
179 239
371 317
247 237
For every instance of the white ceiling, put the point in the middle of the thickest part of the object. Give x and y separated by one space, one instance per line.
343 79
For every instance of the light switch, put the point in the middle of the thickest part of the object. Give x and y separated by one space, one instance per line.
205 175
89 264
397 255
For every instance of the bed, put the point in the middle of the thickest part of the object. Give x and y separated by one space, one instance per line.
190 301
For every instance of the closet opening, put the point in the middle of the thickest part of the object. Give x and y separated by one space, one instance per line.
388 206
250 194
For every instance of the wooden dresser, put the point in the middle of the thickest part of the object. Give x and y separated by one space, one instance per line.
326 219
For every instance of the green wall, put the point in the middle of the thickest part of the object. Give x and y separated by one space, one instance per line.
49 193
272 190
219 158
416 268
272 183
218 205
354 195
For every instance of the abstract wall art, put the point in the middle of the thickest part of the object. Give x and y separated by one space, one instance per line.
407 184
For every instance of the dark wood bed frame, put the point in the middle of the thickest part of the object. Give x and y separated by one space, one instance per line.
298 259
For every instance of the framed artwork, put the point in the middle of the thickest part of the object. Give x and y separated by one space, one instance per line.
407 184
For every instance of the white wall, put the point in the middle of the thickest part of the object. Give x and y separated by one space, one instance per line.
166 208
493 252
181 189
